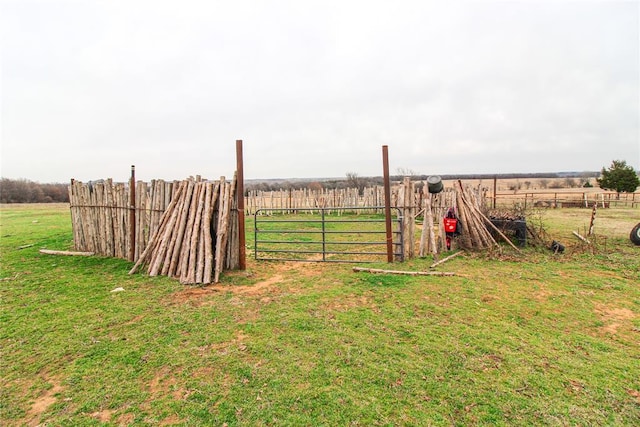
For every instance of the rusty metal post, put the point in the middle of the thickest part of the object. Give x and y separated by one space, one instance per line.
132 215
242 250
387 202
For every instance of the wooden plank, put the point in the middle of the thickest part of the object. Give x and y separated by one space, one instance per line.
575 233
443 260
406 273
67 253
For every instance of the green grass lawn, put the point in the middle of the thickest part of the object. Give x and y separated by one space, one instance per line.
523 339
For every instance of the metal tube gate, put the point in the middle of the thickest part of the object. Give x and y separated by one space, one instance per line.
296 235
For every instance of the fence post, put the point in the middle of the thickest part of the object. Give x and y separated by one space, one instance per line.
495 188
132 215
242 250
387 202
408 223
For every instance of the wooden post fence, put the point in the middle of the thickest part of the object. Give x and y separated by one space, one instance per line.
167 226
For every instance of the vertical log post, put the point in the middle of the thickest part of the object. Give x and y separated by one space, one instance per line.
242 250
132 215
495 190
593 218
408 216
387 202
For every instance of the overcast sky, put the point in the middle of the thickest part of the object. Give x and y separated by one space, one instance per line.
315 88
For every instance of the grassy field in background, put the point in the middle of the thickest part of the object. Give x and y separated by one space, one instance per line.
521 339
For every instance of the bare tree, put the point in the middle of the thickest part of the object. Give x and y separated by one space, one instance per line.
355 181
406 172
315 186
25 191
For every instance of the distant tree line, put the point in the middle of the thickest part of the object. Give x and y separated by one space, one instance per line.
353 180
557 175
25 191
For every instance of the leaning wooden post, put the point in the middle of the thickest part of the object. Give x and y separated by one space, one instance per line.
242 250
132 215
387 202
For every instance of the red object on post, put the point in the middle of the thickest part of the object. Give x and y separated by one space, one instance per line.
450 225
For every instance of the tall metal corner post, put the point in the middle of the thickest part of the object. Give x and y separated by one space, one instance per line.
242 249
387 202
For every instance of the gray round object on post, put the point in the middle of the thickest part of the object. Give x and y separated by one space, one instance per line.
434 184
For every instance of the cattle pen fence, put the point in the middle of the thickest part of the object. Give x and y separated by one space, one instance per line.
191 229
310 201
185 229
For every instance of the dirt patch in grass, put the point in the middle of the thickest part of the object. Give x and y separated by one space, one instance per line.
607 274
265 288
126 419
613 317
348 302
488 298
104 415
542 295
223 348
199 295
191 295
171 421
165 383
258 289
301 269
277 275
43 402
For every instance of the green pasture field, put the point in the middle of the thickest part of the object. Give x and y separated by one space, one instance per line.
532 338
